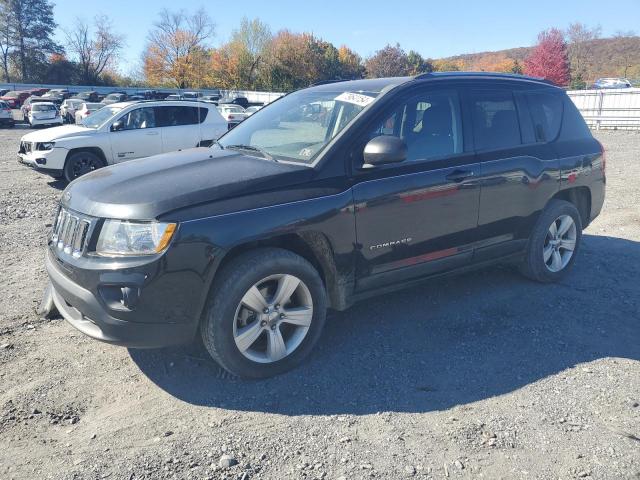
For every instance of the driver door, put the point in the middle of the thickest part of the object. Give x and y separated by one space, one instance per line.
137 137
419 216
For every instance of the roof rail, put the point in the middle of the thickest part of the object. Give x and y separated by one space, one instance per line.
515 76
325 82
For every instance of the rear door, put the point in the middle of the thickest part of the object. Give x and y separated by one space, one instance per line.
519 168
417 217
181 126
140 136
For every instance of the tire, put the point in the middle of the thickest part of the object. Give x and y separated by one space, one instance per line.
548 258
81 163
264 271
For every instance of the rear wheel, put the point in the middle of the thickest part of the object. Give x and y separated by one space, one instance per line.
266 313
554 242
81 163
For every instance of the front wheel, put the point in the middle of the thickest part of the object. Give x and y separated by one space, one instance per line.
81 163
266 313
554 242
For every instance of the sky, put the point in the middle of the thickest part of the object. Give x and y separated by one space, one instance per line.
433 28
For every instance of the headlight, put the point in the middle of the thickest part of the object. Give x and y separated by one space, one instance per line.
121 237
46 145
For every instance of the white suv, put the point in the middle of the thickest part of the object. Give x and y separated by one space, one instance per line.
120 132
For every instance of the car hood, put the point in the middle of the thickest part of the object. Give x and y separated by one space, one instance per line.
146 188
57 133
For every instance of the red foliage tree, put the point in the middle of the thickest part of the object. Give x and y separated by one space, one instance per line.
549 59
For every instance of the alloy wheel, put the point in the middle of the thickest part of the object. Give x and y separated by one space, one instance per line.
559 243
84 165
273 318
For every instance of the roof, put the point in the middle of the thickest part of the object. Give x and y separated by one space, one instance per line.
364 85
482 75
379 84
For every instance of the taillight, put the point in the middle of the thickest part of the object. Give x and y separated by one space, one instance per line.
603 163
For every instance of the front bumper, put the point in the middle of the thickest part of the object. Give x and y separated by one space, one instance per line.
46 121
48 161
87 313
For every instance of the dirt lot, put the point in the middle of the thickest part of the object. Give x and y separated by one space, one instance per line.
486 375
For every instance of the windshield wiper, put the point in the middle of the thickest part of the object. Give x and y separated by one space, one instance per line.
251 148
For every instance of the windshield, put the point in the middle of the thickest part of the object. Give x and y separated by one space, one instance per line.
99 118
298 126
231 109
39 107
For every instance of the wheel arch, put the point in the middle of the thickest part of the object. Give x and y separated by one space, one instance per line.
95 150
313 247
580 197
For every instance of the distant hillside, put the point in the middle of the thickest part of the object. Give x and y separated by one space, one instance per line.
608 57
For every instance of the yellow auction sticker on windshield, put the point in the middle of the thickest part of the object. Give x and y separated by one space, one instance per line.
355 98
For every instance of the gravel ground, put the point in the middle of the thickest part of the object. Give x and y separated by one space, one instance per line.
485 375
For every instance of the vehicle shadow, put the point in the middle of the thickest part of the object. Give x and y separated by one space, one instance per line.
57 183
452 341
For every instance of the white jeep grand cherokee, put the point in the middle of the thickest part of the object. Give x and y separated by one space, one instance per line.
120 132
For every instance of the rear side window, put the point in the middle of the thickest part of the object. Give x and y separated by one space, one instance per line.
173 116
546 114
495 120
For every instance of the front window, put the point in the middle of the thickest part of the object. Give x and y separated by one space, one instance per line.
298 126
102 116
139 118
429 123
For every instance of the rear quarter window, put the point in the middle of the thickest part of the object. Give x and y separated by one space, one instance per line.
546 110
573 124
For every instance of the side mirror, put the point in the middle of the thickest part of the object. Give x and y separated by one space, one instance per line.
117 126
384 149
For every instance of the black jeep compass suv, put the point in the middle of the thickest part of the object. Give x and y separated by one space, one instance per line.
324 197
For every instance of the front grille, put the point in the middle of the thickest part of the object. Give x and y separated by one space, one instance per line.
71 233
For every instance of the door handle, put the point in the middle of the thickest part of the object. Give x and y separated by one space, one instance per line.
459 175
152 133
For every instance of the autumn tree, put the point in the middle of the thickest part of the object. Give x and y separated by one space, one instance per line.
517 67
418 64
94 49
549 58
493 62
624 52
350 63
177 49
288 65
390 61
60 70
579 39
449 65
295 60
240 59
